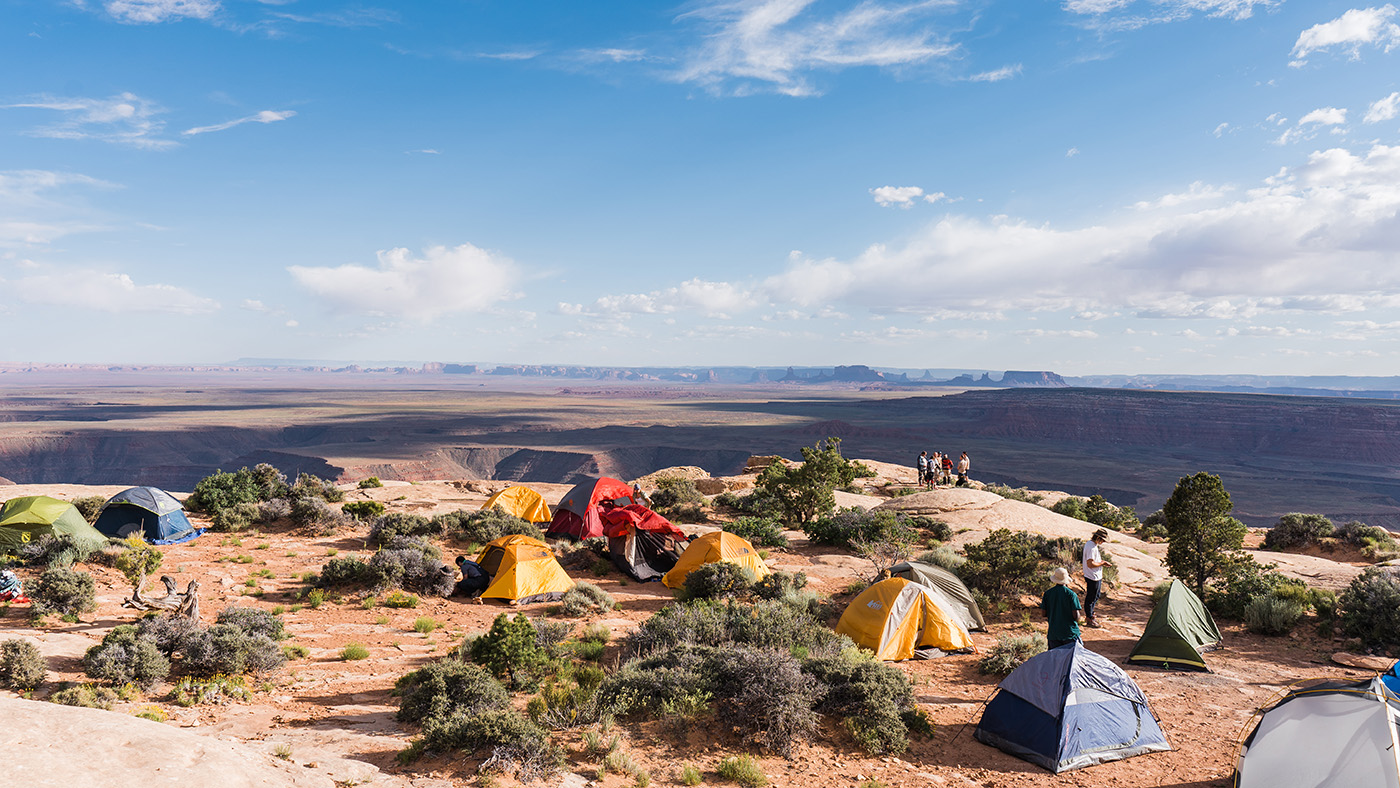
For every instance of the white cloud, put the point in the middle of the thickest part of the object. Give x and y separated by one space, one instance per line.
1383 109
716 299
933 197
125 119
776 45
1071 153
1046 332
33 210
425 151
443 280
902 196
1350 31
997 75
1309 123
1221 129
156 11
521 54
266 116
1318 236
1198 191
613 55
1118 15
105 292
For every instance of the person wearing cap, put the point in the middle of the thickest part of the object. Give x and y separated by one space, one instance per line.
1061 607
1093 575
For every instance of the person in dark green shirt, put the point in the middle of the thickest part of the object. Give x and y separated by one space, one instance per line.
1061 606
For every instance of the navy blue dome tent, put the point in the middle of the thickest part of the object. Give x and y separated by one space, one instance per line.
150 512
1068 708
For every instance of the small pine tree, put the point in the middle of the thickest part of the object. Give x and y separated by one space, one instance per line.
806 492
509 650
1202 537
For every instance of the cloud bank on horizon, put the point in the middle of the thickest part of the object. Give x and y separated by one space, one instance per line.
899 183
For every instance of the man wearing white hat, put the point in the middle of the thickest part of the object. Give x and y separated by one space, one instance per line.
1061 606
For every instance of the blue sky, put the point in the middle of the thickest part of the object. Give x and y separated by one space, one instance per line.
1135 186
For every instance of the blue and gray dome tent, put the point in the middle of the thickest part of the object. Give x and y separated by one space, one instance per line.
1068 708
148 511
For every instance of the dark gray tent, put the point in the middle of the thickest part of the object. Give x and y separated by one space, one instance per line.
151 512
938 579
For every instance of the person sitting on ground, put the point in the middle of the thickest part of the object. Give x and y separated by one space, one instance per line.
474 579
1093 575
1061 607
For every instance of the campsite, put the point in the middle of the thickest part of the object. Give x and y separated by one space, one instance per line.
331 711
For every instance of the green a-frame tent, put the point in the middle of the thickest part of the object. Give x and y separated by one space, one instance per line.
1179 630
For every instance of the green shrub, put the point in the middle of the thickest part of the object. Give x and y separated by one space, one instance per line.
1324 603
445 687
295 651
1006 564
254 621
588 650
372 481
717 580
690 775
1159 592
363 510
673 491
395 524
743 770
125 657
221 491
1071 506
354 652
568 700
759 531
510 650
486 525
585 598
1296 529
1269 615
874 700
787 587
236 517
227 649
1153 528
1010 652
349 571
401 600
943 556
848 527
764 624
1239 582
90 506
516 744
1369 608
22 667
90 696
63 591
805 493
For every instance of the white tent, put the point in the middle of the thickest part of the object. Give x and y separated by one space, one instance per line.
1333 734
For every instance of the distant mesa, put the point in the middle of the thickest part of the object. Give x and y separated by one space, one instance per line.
1013 379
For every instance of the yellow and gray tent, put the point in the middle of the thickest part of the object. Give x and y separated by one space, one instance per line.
1179 630
941 581
522 502
24 520
523 570
710 548
895 617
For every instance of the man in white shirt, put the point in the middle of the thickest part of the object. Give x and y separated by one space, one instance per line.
1093 575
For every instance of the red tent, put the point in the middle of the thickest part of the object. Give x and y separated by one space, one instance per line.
617 521
577 514
642 543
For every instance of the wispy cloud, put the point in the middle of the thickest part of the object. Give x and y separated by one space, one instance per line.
33 208
613 55
266 116
777 45
149 12
1122 15
1005 72
441 281
715 299
1349 32
1383 109
1308 125
904 196
105 292
123 119
518 54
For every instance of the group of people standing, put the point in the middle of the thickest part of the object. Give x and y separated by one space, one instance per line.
1061 604
938 469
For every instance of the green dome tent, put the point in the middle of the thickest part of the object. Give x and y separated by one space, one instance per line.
1178 631
24 520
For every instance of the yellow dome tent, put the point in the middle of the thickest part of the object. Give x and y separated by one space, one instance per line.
712 547
522 502
523 570
894 617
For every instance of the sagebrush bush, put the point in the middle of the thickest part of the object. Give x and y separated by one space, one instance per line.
847 527
764 624
236 517
310 486
413 569
445 687
1369 608
768 694
63 591
394 524
674 491
943 556
371 482
550 635
1239 582
169 633
1270 615
348 571
89 506
585 598
516 744
126 657
1007 563
1296 529
1010 652
229 650
875 700
315 513
759 531
22 667
717 580
61 550
254 621
363 510
221 490
274 510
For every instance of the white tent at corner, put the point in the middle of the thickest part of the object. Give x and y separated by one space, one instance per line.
1328 735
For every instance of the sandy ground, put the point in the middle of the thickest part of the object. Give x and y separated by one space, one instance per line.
337 717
